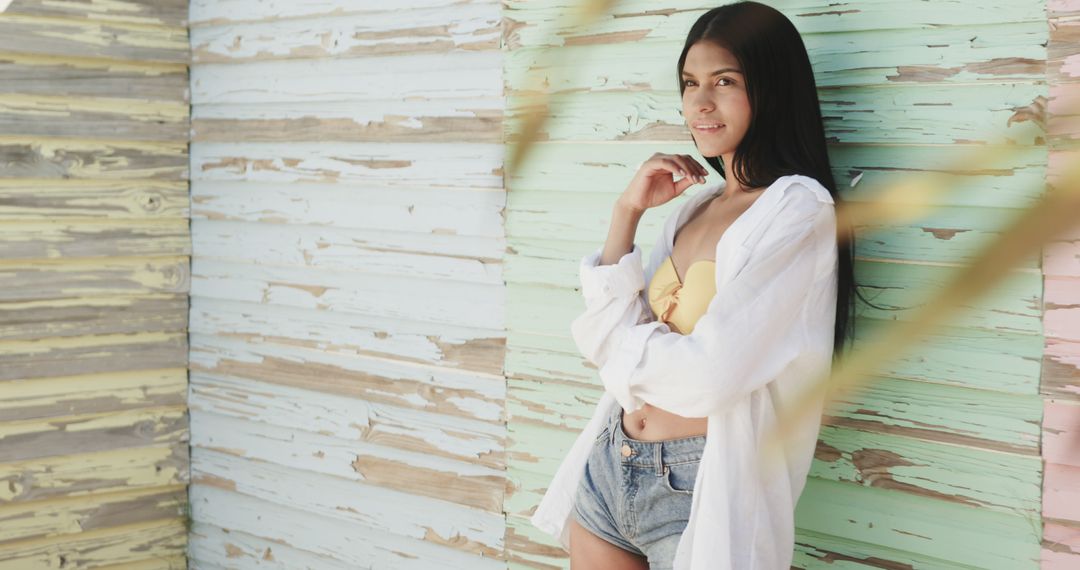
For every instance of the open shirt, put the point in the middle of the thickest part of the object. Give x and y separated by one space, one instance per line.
766 334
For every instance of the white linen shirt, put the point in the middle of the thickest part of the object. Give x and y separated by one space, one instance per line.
765 335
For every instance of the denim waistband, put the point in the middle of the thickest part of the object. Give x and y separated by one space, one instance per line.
652 453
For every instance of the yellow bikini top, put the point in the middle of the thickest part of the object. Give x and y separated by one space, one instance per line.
681 304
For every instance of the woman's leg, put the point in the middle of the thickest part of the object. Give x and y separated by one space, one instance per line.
590 552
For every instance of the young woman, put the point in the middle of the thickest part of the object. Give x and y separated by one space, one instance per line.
745 299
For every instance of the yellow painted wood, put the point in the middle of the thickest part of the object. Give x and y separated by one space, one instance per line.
95 248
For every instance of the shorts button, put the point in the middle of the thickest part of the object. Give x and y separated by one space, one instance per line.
626 451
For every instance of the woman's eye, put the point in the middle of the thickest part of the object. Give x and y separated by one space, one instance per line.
691 82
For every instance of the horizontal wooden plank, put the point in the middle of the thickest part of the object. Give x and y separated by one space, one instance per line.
171 13
459 393
83 474
67 317
1061 257
1061 297
1011 305
83 433
93 118
422 255
325 210
966 357
94 238
214 548
1061 492
163 540
434 165
451 75
1061 432
56 199
1061 369
447 346
50 279
177 561
87 394
66 159
70 516
475 305
941 529
1061 362
1063 49
469 26
821 551
376 466
1061 546
477 119
367 507
436 435
43 75
118 352
221 12
331 537
631 61
87 38
1002 422
894 114
546 22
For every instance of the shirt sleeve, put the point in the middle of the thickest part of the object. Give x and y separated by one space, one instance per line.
753 328
613 302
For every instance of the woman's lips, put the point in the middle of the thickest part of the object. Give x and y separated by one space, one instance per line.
707 129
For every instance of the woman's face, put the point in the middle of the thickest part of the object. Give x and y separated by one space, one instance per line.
714 94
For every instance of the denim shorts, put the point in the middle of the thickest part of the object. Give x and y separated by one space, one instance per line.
637 494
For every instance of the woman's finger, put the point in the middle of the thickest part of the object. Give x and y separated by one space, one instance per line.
690 166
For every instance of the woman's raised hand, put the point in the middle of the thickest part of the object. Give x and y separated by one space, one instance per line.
654 183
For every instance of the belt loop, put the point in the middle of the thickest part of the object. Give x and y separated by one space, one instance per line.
613 423
658 450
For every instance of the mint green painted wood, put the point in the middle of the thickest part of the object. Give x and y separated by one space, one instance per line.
904 114
956 54
944 530
1008 483
926 410
820 551
540 21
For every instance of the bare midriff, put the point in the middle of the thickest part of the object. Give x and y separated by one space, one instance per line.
655 424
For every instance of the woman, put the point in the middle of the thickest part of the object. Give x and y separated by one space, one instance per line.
745 300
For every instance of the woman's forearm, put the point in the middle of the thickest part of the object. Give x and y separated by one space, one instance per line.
621 233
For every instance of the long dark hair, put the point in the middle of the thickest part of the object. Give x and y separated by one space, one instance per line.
786 134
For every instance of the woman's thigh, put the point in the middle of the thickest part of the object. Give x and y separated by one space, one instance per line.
590 552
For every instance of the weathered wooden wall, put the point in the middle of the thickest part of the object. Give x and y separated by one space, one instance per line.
936 463
354 338
1061 317
347 336
94 257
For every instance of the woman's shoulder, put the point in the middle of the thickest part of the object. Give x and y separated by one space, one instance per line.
808 189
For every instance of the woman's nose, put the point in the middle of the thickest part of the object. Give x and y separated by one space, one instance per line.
703 103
